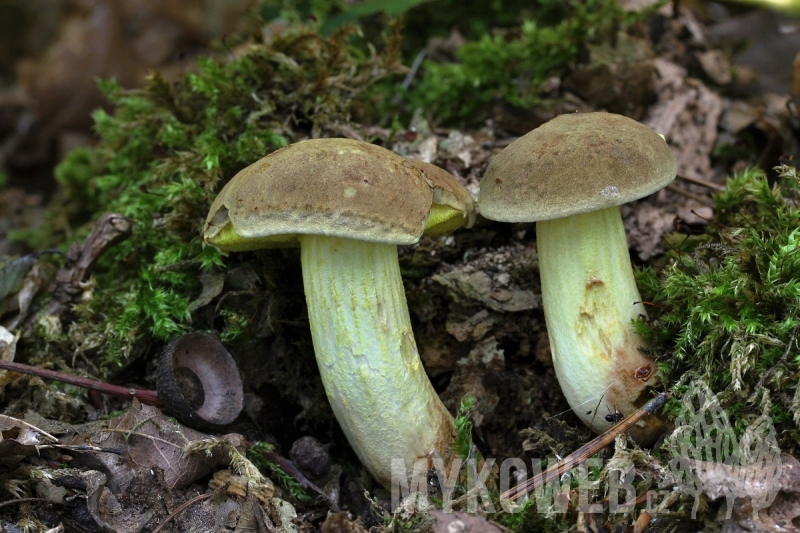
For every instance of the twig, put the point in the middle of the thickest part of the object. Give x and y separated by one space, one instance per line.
22 500
586 451
695 197
67 289
186 505
413 71
43 432
85 448
149 397
708 184
290 468
129 434
780 361
501 526
263 522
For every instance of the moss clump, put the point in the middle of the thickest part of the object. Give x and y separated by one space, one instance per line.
728 308
163 154
511 66
463 427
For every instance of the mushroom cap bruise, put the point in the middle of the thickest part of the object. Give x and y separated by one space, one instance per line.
335 187
575 163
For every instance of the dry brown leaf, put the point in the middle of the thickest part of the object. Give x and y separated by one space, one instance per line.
19 438
106 509
716 66
148 439
687 113
212 287
782 515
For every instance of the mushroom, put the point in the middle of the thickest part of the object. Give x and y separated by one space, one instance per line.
198 381
348 204
569 176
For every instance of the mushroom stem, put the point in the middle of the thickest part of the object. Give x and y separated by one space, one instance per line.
590 297
367 355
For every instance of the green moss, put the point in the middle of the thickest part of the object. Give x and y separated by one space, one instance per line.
510 66
511 48
463 427
729 306
163 154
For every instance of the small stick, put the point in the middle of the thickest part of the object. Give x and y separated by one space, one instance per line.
585 451
651 304
290 468
149 397
22 500
705 201
709 184
185 505
413 71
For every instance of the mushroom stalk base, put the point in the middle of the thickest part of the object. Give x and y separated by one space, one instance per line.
590 297
367 355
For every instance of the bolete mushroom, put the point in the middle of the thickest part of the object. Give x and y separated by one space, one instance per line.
348 204
569 176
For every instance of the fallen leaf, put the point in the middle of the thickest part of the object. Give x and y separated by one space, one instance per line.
12 274
19 438
212 287
149 439
687 113
106 509
782 515
716 66
20 281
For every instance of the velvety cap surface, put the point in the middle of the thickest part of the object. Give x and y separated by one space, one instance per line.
575 163
335 187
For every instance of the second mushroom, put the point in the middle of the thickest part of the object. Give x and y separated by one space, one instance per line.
569 175
348 204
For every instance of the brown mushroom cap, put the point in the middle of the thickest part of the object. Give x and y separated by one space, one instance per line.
573 164
334 187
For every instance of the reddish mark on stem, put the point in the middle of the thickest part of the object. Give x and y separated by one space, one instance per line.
643 372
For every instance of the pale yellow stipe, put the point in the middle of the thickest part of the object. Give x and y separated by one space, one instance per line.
366 353
588 294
